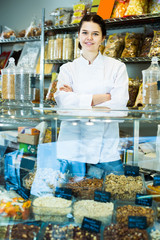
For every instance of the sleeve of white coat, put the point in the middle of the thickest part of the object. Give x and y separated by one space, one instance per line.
119 92
70 99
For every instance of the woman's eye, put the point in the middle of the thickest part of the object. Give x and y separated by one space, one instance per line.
84 32
95 34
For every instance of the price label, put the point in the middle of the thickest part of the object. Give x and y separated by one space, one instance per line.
64 193
91 225
131 171
158 85
156 180
143 199
102 196
137 222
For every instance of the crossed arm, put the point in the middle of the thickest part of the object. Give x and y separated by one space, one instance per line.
96 99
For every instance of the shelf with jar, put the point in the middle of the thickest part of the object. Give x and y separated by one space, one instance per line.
62 48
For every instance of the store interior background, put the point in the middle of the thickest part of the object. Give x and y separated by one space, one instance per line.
18 15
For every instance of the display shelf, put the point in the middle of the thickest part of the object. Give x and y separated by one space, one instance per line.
49 112
129 21
21 39
57 61
136 59
133 21
125 60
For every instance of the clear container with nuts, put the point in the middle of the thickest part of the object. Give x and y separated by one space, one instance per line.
77 51
124 187
8 82
68 47
58 47
50 208
123 209
84 188
151 84
50 51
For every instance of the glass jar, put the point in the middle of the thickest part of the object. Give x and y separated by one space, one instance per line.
8 82
77 51
68 48
58 47
23 91
50 51
151 84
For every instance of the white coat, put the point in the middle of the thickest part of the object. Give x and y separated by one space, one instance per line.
99 142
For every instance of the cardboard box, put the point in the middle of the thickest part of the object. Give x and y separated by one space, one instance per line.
27 130
29 139
28 149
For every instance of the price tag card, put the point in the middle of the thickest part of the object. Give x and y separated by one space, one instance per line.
131 171
63 193
156 180
91 225
137 222
102 196
143 199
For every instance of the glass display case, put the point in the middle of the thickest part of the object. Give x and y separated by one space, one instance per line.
52 156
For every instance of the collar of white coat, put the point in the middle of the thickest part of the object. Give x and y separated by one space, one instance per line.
97 61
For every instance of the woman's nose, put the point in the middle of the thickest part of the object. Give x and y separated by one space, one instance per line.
89 36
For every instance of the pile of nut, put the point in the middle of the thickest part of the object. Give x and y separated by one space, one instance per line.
68 232
155 234
122 232
92 209
28 181
23 231
84 189
122 187
128 210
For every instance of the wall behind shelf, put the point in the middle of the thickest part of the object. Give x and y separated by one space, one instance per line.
18 14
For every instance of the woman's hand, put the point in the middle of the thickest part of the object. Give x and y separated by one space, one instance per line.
100 98
66 88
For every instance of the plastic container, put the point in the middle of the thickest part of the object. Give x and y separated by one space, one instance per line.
77 51
153 190
154 231
84 188
14 208
50 208
151 84
51 40
68 47
28 180
93 209
124 187
57 231
121 231
23 91
67 231
58 47
123 209
8 82
25 230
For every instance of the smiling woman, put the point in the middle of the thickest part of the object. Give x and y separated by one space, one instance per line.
91 80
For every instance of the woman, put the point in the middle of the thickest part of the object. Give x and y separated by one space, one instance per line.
91 80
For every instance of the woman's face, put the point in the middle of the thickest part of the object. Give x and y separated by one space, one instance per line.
90 37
